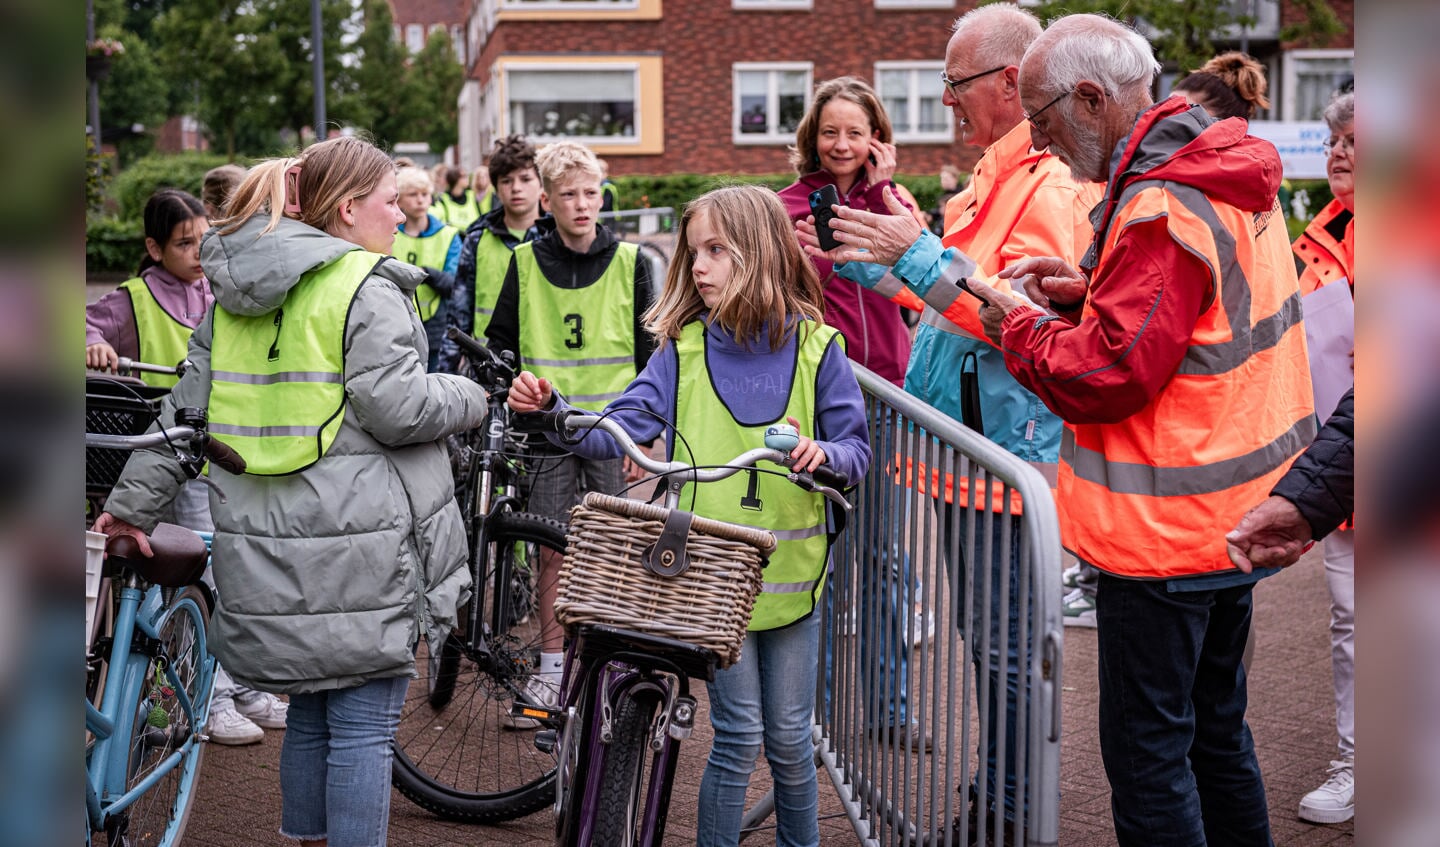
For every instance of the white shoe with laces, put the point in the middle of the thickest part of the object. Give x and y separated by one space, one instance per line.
1333 802
1070 577
232 729
1078 609
264 710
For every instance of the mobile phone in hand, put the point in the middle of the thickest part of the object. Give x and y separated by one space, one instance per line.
820 202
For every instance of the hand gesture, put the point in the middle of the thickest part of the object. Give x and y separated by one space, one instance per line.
530 393
113 527
807 455
995 306
884 238
1048 281
882 168
101 357
1273 534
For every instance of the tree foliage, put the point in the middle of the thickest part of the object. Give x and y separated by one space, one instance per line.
433 85
1185 32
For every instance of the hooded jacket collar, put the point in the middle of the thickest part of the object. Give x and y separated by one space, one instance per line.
252 271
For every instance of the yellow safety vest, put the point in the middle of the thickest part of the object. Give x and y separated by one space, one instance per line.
429 251
164 339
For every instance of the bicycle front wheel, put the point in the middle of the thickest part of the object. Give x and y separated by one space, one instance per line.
457 752
162 726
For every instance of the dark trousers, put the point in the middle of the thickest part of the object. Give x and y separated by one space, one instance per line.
1177 751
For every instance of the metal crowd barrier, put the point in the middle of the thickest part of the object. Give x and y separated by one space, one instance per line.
922 540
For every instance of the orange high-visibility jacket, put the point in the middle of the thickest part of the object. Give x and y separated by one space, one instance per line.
1151 494
1327 248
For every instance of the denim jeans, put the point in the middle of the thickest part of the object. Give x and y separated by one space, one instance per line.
1173 737
1002 667
768 697
335 763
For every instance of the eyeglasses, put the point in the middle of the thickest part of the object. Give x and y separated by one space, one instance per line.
954 84
1344 142
1031 117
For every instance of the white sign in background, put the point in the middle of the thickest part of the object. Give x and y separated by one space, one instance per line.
1301 145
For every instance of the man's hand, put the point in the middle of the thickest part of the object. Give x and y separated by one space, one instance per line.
865 236
1273 534
1050 282
101 357
995 306
113 527
529 393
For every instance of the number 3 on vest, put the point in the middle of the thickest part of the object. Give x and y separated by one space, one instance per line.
577 331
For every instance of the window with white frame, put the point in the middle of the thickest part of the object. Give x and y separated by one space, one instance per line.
770 100
457 43
415 37
596 102
911 93
1310 78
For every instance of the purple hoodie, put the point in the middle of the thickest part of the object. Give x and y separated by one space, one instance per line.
875 334
111 319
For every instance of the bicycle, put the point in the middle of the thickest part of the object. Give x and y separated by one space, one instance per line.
149 672
624 697
455 753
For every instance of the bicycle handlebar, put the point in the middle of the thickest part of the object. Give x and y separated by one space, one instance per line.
569 423
496 369
126 365
216 451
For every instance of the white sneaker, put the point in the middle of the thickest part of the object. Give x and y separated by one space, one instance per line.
539 691
264 710
1078 609
1070 577
924 628
232 729
1333 802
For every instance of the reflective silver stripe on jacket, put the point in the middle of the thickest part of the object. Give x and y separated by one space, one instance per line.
568 363
263 431
271 379
789 587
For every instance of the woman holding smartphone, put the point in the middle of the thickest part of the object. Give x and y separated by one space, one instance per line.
844 140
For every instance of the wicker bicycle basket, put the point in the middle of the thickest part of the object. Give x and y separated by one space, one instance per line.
708 605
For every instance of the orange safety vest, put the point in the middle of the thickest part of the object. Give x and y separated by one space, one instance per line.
1327 248
1152 496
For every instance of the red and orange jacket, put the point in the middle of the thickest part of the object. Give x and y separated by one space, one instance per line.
1186 380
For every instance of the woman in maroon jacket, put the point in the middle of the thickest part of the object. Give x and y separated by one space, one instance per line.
845 140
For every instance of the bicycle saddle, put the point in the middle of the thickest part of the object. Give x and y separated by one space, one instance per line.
180 556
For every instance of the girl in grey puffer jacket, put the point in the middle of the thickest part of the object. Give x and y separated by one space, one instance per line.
329 565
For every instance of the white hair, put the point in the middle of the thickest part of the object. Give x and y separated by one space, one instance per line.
1098 49
1341 111
1006 32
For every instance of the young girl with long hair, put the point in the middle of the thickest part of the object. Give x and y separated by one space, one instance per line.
742 346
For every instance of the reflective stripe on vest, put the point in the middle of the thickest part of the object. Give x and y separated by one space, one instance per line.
427 252
795 575
277 384
164 339
581 339
492 260
1152 496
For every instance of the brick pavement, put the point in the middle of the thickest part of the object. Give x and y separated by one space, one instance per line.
1291 714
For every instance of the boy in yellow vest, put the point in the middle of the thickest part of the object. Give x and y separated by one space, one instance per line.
571 309
434 247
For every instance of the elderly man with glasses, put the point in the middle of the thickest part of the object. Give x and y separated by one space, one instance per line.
1178 359
1018 203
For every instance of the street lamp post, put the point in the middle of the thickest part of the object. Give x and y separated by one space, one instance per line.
317 46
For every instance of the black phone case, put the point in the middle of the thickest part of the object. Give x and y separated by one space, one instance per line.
820 202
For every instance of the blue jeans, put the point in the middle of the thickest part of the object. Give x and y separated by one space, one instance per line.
1177 750
767 697
1001 668
335 763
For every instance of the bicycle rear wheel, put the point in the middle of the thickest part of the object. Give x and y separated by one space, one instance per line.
162 726
455 754
622 788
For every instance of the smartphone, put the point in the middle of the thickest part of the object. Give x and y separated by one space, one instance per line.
820 202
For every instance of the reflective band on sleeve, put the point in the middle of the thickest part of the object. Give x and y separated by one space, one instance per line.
788 587
565 363
271 379
591 398
1133 478
264 431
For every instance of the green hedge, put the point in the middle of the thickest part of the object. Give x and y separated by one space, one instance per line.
113 245
185 171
